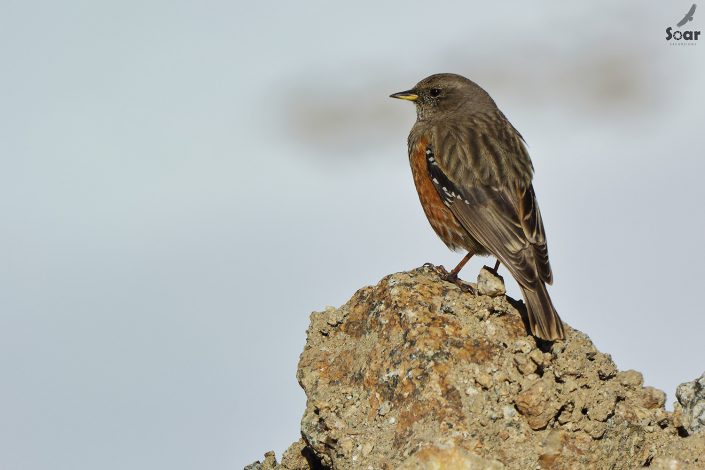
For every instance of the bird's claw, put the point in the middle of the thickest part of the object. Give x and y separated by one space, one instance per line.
454 279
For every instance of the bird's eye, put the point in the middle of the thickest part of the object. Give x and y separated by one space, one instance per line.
435 92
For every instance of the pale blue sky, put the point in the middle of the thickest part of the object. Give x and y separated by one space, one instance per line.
182 183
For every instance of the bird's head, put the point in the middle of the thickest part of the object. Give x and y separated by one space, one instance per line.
445 93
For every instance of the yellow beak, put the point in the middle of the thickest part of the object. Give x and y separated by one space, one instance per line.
408 95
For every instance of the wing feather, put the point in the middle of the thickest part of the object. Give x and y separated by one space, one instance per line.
486 182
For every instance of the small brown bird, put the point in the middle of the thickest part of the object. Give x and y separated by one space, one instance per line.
473 176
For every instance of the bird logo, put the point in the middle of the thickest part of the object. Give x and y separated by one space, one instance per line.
683 37
688 16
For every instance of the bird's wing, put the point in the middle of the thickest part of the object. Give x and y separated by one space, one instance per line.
491 196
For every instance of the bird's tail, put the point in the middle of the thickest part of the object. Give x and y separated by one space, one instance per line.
543 318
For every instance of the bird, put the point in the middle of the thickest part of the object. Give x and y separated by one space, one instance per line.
688 16
473 175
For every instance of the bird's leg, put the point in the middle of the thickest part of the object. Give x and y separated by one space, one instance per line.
453 275
496 267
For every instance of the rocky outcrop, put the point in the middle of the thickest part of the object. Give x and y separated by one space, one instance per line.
690 409
416 372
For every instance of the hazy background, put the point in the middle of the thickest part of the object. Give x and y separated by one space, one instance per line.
182 183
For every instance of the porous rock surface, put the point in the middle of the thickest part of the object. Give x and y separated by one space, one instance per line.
690 408
419 373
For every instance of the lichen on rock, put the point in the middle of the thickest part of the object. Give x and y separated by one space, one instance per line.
416 372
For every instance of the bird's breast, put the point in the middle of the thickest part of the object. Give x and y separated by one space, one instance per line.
438 214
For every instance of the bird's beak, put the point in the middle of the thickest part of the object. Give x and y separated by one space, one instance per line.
408 95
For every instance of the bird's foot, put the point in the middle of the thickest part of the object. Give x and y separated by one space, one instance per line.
450 277
453 278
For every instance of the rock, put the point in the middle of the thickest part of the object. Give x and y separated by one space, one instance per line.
538 404
653 398
667 464
269 463
490 283
691 405
416 372
631 378
297 457
434 458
